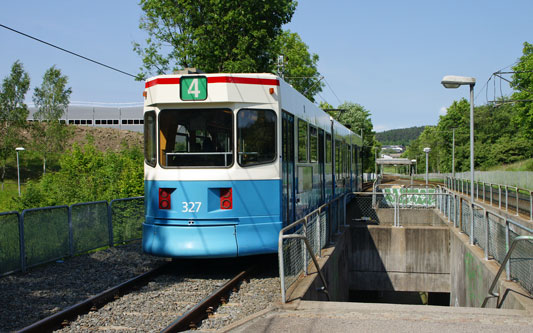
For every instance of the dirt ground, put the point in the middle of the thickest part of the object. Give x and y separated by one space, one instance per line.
105 139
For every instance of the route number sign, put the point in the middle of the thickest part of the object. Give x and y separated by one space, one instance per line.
193 88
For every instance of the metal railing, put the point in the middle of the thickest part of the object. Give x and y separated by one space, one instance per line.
491 292
511 198
487 229
494 234
302 241
41 235
407 203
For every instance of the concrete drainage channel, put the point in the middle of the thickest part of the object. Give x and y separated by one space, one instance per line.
426 261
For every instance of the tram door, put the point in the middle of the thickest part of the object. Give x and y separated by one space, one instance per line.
287 137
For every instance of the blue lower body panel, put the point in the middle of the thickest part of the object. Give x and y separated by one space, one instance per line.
210 241
196 225
191 242
258 238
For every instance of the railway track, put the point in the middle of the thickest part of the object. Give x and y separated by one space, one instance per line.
366 186
173 298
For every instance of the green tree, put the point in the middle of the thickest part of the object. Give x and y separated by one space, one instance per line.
496 139
357 118
51 99
212 35
523 83
299 67
13 113
400 136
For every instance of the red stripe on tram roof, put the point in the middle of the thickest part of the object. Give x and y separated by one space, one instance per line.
166 80
217 79
242 80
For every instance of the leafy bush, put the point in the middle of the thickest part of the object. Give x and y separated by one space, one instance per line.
87 174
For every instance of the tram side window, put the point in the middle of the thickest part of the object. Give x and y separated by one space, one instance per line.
328 148
346 159
337 159
302 141
196 138
354 159
150 150
256 136
313 149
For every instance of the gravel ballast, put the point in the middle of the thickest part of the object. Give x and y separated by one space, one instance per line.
45 290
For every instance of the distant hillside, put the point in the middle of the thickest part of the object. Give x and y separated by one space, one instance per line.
400 136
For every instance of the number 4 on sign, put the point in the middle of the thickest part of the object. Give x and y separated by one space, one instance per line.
193 88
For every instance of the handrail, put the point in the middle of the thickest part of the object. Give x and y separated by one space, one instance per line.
452 182
506 263
397 204
377 182
310 250
281 237
491 292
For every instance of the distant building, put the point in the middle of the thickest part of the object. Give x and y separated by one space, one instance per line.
126 118
396 148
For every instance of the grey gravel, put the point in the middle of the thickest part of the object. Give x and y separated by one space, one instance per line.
45 290
260 292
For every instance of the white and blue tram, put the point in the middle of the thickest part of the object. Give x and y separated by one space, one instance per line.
232 158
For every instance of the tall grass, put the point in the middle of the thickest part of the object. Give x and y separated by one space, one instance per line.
6 196
524 165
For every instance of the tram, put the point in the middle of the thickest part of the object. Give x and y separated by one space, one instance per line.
232 158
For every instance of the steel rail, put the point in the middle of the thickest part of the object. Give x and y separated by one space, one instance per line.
63 318
200 311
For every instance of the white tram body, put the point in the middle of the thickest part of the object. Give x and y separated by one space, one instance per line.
232 158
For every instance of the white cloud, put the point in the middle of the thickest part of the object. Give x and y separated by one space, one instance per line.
443 110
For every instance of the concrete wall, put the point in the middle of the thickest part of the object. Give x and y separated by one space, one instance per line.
412 258
407 217
472 275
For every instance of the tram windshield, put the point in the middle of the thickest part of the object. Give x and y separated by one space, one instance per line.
196 138
256 137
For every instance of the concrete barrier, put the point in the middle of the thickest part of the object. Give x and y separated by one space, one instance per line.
413 258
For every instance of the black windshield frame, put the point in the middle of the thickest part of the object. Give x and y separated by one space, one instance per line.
207 138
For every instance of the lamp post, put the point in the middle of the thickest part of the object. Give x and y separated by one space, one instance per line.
412 171
452 81
427 150
18 169
453 153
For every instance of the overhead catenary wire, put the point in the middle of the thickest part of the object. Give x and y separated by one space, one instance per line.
334 94
67 51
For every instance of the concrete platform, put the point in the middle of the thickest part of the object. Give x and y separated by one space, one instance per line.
310 316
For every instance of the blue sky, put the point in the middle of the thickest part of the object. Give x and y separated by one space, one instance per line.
388 56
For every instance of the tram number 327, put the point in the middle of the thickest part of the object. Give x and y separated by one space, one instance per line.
190 207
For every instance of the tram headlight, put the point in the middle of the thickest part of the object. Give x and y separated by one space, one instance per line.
226 198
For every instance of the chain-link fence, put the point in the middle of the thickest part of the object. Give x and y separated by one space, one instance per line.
127 216
302 241
9 242
494 233
42 235
90 226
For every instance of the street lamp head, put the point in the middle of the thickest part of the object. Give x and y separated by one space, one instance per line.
427 150
453 81
19 149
